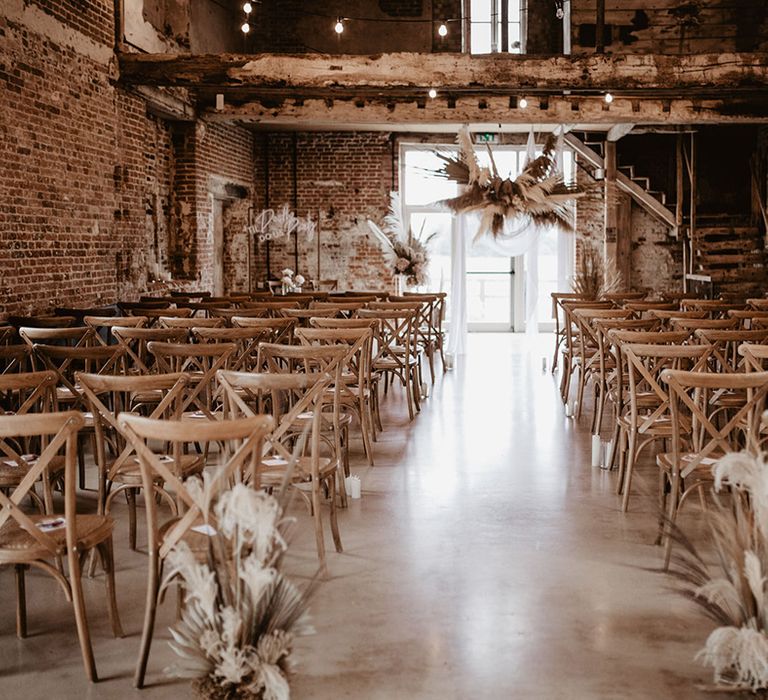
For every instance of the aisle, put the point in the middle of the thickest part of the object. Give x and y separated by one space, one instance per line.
486 560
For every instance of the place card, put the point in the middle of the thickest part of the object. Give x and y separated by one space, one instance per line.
204 529
275 462
52 524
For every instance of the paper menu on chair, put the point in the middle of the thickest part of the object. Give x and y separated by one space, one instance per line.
275 462
704 460
204 529
51 524
198 414
30 459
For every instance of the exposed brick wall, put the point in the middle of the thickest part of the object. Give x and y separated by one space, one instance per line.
343 179
80 160
93 18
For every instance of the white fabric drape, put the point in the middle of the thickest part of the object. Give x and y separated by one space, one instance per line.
457 334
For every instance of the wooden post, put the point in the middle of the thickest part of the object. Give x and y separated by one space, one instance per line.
624 239
692 214
600 27
504 48
611 195
679 203
466 18
317 234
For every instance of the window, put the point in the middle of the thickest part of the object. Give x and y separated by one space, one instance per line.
487 34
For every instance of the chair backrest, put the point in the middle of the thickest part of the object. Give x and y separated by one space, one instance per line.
201 361
240 442
714 307
110 395
754 355
344 306
649 306
57 432
15 358
668 315
645 364
79 336
271 308
42 321
759 303
65 362
623 297
103 325
226 315
303 316
725 346
322 322
394 338
281 328
351 298
135 340
190 323
693 324
713 432
246 339
28 392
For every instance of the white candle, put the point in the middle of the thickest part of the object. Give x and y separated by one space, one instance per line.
596 451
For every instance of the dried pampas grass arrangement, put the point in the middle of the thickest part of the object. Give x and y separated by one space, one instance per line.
733 593
593 278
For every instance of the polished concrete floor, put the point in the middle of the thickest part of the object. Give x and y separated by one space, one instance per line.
486 559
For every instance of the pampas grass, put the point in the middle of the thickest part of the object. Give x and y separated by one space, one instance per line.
593 279
538 195
733 592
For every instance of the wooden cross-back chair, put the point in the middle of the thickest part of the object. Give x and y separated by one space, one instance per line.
34 540
688 466
328 361
393 353
201 361
247 340
224 316
43 321
345 307
303 316
281 329
8 335
356 387
666 316
189 294
134 308
646 308
22 394
755 356
557 315
748 317
620 298
108 396
606 382
74 337
296 403
648 418
571 338
153 316
758 303
437 316
352 298
240 444
714 307
103 325
694 324
588 359
134 342
15 358
725 346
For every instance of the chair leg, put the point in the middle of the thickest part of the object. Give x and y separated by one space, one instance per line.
671 518
150 611
130 497
21 602
81 620
108 562
367 429
334 521
628 470
319 540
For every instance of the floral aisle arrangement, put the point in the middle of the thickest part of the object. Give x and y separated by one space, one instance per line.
408 254
733 593
538 195
593 278
241 614
291 282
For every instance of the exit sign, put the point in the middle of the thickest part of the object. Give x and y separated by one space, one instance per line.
486 138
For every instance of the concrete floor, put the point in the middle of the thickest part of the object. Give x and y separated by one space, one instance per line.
486 559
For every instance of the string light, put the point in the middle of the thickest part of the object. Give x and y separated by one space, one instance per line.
247 8
522 103
442 30
432 93
339 26
608 98
245 28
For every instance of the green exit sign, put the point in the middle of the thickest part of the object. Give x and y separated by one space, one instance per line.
486 138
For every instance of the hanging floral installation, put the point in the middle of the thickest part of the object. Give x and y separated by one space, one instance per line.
733 593
408 254
538 195
241 614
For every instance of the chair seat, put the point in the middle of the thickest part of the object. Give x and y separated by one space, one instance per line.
150 396
272 472
17 545
129 472
701 472
11 475
730 399
197 537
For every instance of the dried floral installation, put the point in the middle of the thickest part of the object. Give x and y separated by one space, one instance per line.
734 595
593 278
407 253
241 614
538 195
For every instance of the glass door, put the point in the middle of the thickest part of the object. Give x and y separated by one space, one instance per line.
490 293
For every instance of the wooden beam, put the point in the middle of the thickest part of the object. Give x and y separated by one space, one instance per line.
667 75
611 197
600 27
618 131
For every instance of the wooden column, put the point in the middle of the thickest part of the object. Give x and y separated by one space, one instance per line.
600 27
679 203
611 196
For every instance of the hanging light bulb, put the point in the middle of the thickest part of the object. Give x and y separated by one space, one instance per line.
608 98
245 28
339 26
442 30
522 103
247 8
432 93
